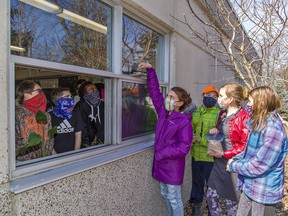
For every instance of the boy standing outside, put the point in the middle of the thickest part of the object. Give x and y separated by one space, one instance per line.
67 120
205 118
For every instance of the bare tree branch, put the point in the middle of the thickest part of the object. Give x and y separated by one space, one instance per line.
255 52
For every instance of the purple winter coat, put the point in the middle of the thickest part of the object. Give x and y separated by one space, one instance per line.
173 137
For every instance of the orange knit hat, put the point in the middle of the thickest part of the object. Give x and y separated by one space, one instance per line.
210 89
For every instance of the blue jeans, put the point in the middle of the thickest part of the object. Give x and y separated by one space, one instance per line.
172 197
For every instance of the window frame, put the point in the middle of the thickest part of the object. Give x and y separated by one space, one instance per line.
162 71
44 164
21 176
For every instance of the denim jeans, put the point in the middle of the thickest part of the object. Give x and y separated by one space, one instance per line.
172 197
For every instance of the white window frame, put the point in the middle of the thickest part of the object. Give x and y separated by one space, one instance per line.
39 173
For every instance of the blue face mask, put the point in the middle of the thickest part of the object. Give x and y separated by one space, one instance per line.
209 101
64 108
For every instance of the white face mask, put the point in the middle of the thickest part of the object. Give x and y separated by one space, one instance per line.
219 101
222 101
169 104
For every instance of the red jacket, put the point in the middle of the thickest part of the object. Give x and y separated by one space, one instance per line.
238 133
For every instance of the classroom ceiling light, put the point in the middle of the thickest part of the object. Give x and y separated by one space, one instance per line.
17 49
66 14
43 5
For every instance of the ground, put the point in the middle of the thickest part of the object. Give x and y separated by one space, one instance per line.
282 207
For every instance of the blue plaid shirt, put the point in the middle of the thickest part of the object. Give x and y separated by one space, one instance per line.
260 167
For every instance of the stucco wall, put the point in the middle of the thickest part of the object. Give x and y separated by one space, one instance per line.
5 201
194 68
118 188
124 187
162 9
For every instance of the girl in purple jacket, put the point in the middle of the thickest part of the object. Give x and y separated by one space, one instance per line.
173 138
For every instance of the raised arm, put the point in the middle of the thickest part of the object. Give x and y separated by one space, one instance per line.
153 87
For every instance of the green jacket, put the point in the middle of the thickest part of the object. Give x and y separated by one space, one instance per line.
203 120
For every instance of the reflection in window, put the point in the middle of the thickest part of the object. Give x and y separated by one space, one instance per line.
70 32
61 126
138 113
140 43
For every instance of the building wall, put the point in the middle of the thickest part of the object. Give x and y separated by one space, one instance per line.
5 201
122 187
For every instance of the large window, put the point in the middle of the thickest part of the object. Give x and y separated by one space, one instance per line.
71 32
86 118
140 44
69 45
138 113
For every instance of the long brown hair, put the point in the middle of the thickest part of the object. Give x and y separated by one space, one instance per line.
265 101
183 95
24 87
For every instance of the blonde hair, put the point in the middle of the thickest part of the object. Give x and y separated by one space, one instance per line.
236 91
265 101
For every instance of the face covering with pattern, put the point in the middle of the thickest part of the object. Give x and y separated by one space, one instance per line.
249 109
209 101
64 108
93 98
169 104
37 103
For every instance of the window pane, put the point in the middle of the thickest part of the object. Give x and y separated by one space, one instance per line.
72 104
71 32
138 113
140 43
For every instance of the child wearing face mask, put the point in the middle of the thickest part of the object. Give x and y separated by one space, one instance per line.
232 124
31 99
173 138
69 124
205 118
260 167
91 107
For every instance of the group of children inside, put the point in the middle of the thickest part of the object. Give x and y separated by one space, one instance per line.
78 121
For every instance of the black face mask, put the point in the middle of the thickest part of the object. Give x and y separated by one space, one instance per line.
209 101
93 98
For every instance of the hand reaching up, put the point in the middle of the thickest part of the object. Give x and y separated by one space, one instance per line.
144 66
